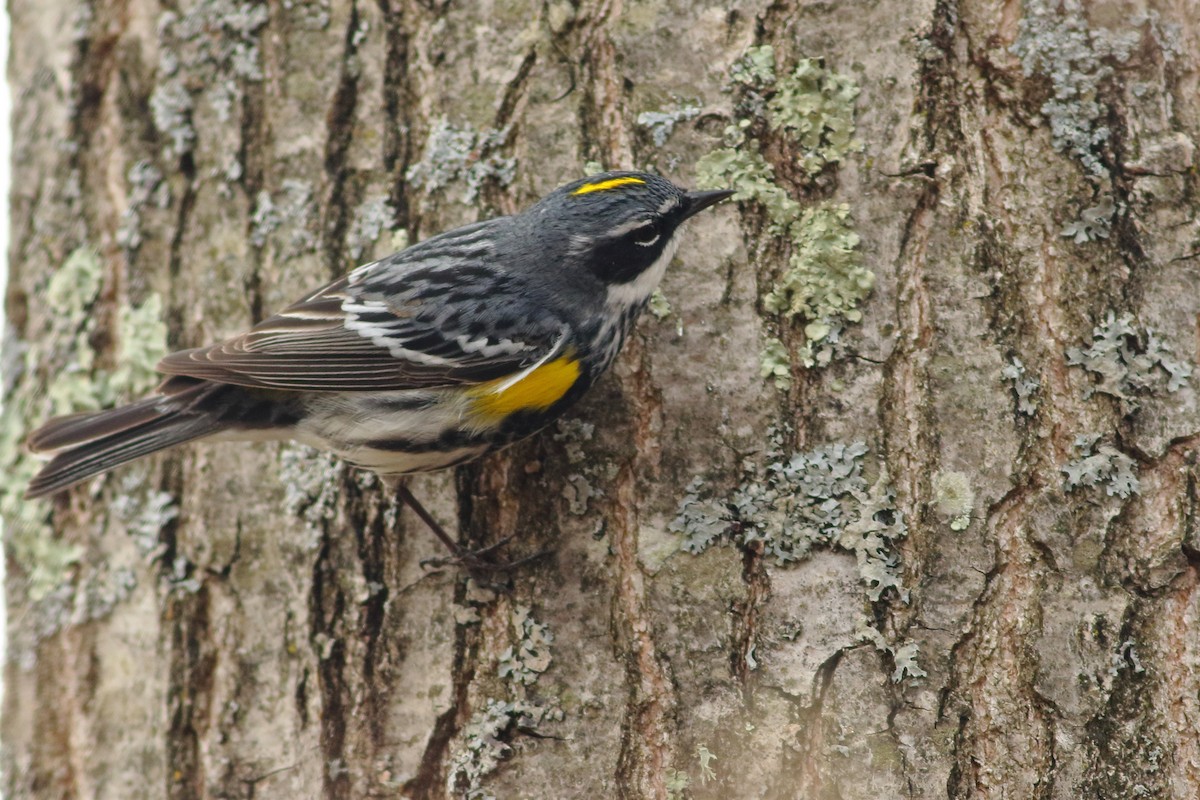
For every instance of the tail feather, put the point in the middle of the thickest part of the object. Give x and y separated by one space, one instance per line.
83 445
78 429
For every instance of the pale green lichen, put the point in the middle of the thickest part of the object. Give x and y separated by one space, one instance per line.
904 654
813 108
485 742
775 363
462 153
825 280
659 306
1101 465
1025 388
954 498
62 361
677 783
1127 362
756 67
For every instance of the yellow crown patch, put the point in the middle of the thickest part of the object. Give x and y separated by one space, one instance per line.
604 186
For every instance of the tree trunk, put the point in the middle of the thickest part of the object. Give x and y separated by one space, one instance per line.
946 548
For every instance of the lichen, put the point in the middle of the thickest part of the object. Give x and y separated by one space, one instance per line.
486 739
291 211
1127 362
525 661
812 108
1101 464
815 107
57 374
204 51
1025 388
775 363
371 219
661 124
143 511
903 654
905 659
954 498
484 742
791 505
659 306
464 154
311 479
825 280
147 188
1055 42
706 757
1094 223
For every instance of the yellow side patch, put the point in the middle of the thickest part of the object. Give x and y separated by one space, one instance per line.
537 391
603 186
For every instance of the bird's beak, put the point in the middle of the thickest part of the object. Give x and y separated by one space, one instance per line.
695 202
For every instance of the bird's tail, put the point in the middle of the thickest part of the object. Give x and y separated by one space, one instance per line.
83 445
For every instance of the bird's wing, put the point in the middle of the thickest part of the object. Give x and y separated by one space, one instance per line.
437 314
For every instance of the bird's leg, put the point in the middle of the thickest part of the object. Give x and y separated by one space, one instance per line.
474 560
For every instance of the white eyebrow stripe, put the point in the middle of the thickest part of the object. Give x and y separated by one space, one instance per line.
668 204
628 227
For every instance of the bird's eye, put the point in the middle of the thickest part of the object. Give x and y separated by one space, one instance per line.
647 235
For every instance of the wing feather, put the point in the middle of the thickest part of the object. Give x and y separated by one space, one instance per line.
424 317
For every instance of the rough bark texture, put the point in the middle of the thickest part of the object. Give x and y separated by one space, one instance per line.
253 621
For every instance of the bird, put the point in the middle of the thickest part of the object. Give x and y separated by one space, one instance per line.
429 358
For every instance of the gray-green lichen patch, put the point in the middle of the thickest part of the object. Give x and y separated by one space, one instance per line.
659 305
1126 362
57 374
290 211
811 107
526 660
147 189
205 50
904 655
794 504
1055 41
661 124
1024 387
791 505
1101 465
464 154
312 481
371 219
486 740
585 482
1094 223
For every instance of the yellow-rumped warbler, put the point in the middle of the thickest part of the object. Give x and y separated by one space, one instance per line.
428 358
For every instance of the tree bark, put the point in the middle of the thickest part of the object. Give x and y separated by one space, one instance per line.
1002 598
